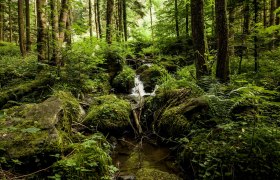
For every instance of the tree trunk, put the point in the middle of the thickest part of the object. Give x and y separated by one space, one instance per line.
1 21
10 23
95 19
68 34
199 38
98 18
272 14
62 20
231 30
264 13
255 37
109 16
55 34
246 21
222 71
151 20
28 37
120 17
21 28
176 19
41 30
125 21
187 20
90 18
277 15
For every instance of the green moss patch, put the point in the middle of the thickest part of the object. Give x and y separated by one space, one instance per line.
124 81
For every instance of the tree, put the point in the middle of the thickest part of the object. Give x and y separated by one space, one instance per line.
41 30
27 20
98 18
10 22
21 28
1 22
222 69
176 19
272 14
109 15
90 18
64 12
198 36
124 20
55 33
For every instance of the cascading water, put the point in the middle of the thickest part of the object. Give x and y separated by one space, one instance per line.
139 91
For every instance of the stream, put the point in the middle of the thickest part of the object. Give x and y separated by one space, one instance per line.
142 159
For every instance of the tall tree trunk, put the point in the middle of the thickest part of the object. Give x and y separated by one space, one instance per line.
109 15
199 38
41 30
176 19
28 37
120 17
246 22
1 21
10 23
62 20
277 22
68 34
222 71
21 27
151 19
55 34
187 20
90 18
125 21
264 13
96 19
272 14
231 30
255 36
99 18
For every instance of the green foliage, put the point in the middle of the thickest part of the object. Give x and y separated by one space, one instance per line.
109 114
88 160
124 81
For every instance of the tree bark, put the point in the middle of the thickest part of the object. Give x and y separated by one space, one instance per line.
120 17
264 13
255 36
199 38
231 30
187 20
96 19
99 19
21 28
176 19
109 15
90 18
125 21
41 31
1 21
62 20
55 33
222 70
246 21
277 15
10 23
272 14
28 37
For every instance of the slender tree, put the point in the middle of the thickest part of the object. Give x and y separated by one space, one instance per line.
272 14
246 14
109 16
222 71
41 30
90 18
255 36
277 22
10 22
55 33
21 27
98 18
199 38
176 19
187 19
231 18
27 20
95 19
125 21
64 12
120 17
1 21
264 13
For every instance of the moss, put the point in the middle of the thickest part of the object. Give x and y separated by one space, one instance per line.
154 174
38 130
90 160
109 114
152 76
124 81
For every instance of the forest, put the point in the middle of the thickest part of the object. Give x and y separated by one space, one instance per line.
140 89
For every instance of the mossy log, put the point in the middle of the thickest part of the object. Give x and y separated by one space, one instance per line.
23 89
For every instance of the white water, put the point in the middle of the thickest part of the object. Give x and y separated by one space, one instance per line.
138 90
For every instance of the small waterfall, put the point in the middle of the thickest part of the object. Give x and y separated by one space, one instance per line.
138 90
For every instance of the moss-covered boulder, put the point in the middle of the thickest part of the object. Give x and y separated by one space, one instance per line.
109 114
154 174
124 81
151 77
33 132
89 160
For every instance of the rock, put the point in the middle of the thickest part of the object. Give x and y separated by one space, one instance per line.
33 132
127 177
124 81
109 114
154 174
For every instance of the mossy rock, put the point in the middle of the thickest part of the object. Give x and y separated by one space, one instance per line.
124 81
154 174
89 160
151 77
33 132
142 68
109 114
